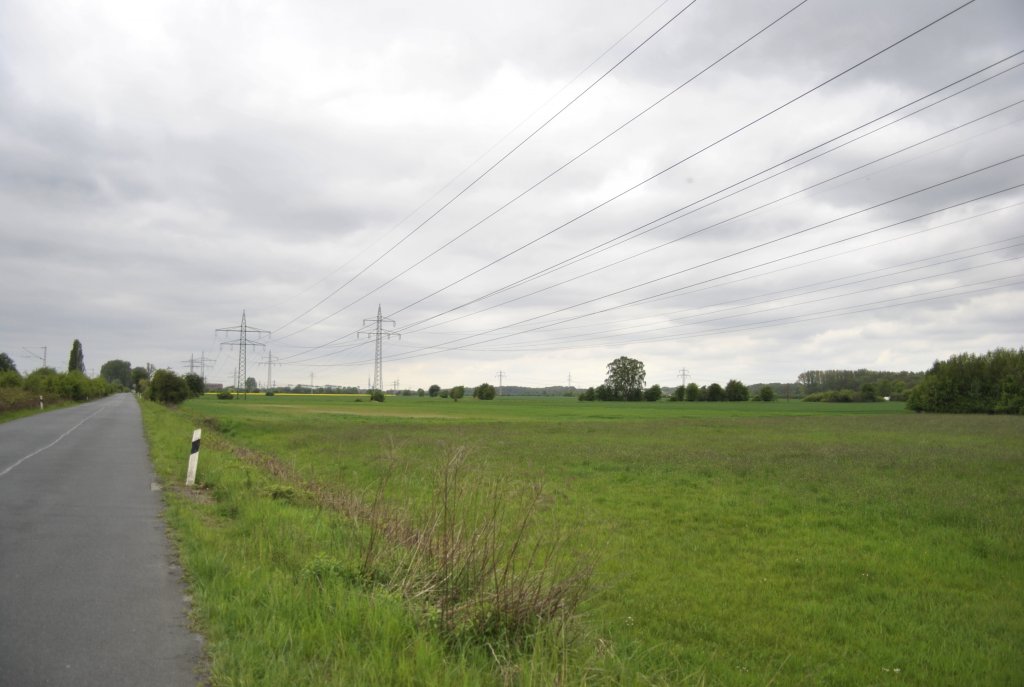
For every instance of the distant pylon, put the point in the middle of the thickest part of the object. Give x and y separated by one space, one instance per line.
243 343
269 360
378 334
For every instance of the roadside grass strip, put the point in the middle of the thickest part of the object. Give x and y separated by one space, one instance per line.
744 544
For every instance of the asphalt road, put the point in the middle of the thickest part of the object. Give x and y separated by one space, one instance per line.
89 593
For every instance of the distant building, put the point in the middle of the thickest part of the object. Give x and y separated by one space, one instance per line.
210 386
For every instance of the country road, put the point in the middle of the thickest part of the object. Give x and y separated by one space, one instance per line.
89 594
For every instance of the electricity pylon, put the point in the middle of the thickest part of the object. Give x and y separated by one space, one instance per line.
243 344
269 361
378 334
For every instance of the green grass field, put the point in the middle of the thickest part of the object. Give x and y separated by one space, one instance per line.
732 544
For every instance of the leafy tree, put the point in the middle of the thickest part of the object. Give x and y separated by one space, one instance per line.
434 390
117 372
715 392
443 393
884 388
968 383
867 392
76 361
626 378
485 392
653 394
588 395
692 392
195 384
139 374
736 390
6 364
40 380
457 392
167 388
377 395
250 384
766 393
421 393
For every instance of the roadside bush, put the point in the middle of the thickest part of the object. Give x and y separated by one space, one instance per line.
168 388
196 385
19 399
10 380
40 380
225 395
377 395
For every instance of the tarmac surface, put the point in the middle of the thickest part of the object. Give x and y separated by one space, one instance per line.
89 590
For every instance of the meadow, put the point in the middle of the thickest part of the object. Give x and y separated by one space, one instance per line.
779 543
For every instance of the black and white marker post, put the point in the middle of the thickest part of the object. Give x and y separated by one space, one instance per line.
193 459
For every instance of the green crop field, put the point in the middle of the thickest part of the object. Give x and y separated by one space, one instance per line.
780 543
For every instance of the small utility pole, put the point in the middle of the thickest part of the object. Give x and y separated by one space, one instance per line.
36 355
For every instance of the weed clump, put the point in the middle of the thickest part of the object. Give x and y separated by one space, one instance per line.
478 553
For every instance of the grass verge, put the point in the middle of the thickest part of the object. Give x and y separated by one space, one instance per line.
746 544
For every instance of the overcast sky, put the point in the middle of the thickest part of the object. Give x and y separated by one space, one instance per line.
166 165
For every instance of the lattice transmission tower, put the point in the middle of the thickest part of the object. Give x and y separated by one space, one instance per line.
378 334
243 343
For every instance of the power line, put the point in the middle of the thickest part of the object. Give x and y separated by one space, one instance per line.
905 38
551 174
651 226
479 158
448 345
487 171
691 156
720 140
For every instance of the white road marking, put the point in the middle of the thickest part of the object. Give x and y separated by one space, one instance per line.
54 442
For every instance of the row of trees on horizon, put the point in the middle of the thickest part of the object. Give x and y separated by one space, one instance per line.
988 383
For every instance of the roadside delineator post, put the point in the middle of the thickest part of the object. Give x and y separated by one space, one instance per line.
40 403
193 459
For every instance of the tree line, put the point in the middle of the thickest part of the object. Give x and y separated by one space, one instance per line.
626 382
48 386
884 384
969 383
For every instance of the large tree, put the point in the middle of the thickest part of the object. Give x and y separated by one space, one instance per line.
6 364
139 374
76 361
117 372
168 388
736 390
195 384
626 378
715 392
485 392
